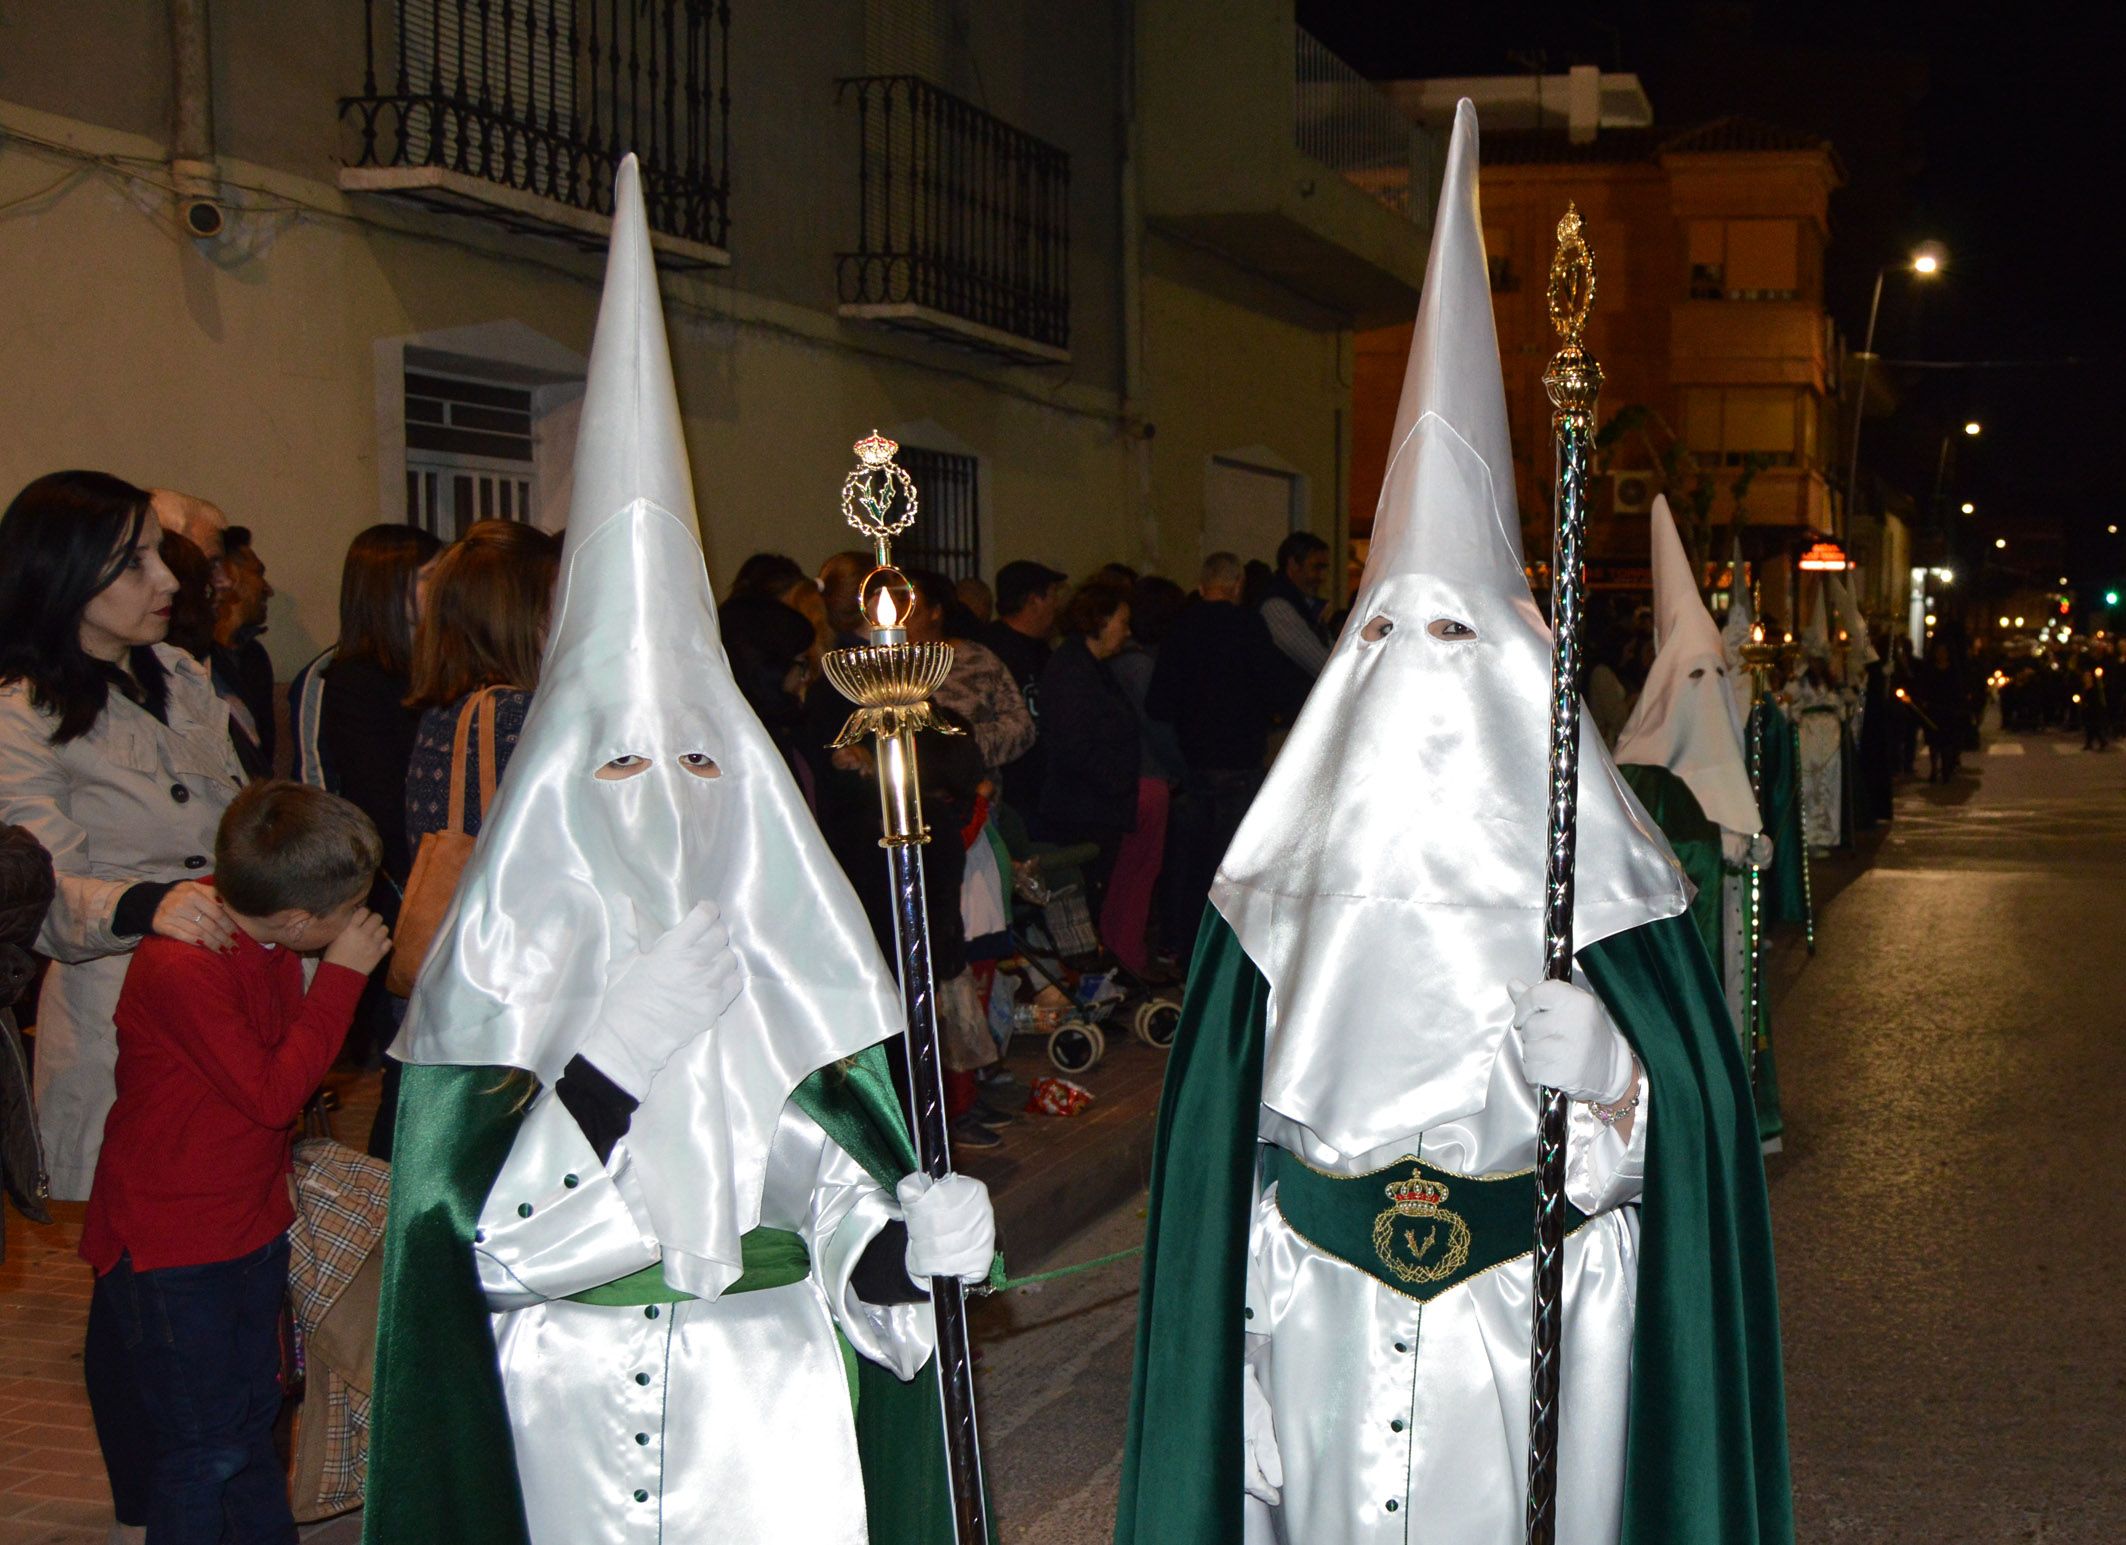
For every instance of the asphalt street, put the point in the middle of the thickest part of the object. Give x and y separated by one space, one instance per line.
1947 1228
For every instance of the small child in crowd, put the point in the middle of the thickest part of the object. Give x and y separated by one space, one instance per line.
187 1223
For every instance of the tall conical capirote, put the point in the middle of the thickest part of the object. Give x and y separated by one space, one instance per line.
1859 648
1816 629
1686 719
1388 881
641 785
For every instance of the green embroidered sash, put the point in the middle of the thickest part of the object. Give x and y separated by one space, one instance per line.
1418 1229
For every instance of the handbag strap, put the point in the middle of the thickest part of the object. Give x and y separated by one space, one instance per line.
454 818
489 770
479 709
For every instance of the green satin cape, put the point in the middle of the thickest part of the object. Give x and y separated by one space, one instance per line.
1779 803
1706 1460
442 1470
1693 836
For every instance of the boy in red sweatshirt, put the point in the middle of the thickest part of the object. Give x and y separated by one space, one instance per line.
187 1223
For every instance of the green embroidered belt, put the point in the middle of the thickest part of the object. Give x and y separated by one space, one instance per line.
772 1257
1420 1230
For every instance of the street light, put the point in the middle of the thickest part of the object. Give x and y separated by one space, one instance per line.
1969 508
1926 261
2111 530
1999 543
1971 426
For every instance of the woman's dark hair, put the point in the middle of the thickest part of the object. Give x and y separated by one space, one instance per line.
1089 607
1153 605
767 575
764 639
64 539
192 608
943 591
376 595
488 602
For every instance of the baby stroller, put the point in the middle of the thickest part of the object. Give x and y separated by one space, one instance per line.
1061 981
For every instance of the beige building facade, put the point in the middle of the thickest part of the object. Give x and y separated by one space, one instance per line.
1106 300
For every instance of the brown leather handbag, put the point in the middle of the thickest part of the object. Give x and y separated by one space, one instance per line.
441 857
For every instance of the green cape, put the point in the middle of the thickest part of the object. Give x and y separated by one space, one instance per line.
1696 841
442 1470
1779 802
1693 836
1706 1460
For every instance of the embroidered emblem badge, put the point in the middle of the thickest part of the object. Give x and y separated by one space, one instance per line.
1418 1238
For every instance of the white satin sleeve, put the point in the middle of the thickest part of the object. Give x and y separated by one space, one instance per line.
1602 1170
558 1220
831 1201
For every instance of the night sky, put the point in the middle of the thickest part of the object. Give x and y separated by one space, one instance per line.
1994 129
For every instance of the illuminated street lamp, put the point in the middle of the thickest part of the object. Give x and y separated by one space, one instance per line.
1999 543
1969 508
1971 426
1927 260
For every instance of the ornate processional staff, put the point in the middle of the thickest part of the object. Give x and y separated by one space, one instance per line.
1758 654
1573 381
891 680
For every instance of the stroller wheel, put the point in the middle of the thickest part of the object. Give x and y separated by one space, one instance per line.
1157 1021
1075 1045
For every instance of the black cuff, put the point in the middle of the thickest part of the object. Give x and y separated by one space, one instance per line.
881 1274
135 913
603 1110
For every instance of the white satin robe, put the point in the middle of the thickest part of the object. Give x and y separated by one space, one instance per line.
1823 712
1405 1422
710 1420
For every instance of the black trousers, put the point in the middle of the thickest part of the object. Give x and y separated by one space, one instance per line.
121 1417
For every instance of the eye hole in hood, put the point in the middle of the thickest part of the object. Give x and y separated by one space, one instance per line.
625 765
1451 630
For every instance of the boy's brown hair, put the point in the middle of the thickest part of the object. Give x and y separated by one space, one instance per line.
284 845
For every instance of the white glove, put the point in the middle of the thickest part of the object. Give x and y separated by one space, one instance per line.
662 997
1261 1466
1761 850
1569 1043
952 1230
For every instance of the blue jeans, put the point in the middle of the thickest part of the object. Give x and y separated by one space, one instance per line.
204 1342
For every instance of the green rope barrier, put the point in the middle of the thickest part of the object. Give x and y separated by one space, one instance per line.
999 1283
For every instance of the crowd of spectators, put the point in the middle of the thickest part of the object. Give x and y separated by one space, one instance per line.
1120 719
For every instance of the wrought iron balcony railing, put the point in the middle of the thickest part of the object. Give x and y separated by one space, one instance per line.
963 223
522 110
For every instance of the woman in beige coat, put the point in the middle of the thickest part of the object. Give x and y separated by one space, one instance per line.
115 754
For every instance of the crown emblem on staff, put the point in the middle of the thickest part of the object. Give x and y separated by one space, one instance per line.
875 450
1414 1193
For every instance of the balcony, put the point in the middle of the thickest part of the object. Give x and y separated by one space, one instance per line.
963 224
519 112
1260 144
1746 343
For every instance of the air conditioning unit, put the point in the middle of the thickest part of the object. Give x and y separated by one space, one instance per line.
1632 493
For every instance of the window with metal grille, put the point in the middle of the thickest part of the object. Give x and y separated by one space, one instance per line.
947 535
468 452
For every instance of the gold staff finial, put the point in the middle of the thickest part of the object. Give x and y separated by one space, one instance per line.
1573 379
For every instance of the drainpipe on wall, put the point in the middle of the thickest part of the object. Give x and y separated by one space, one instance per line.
192 121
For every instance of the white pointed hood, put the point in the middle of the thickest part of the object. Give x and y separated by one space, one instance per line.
567 862
1388 881
1859 648
1815 632
1741 615
1686 719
